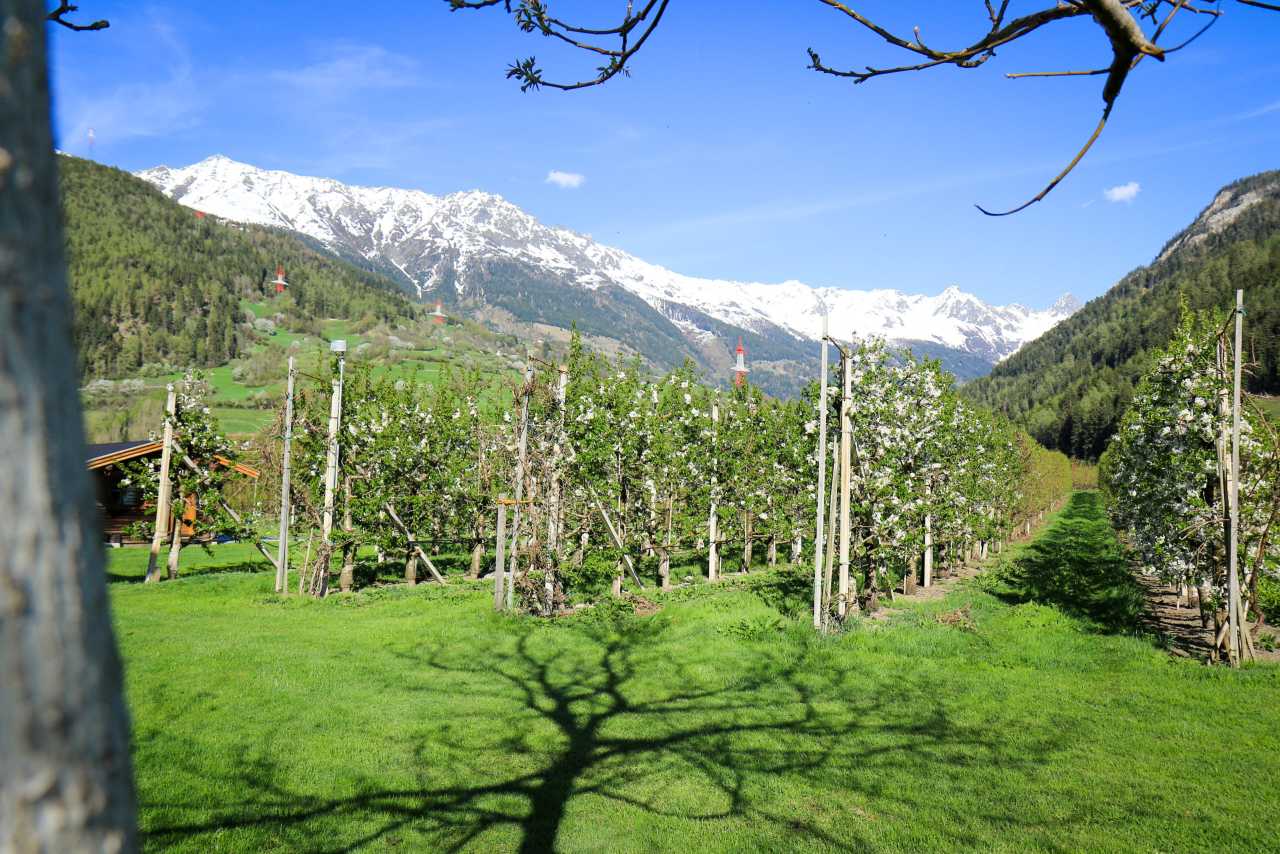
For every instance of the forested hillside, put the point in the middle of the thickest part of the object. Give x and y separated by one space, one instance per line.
155 284
1070 387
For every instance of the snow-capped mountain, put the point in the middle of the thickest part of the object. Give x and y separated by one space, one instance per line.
476 248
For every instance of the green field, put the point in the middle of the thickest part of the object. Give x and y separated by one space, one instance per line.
1025 711
431 352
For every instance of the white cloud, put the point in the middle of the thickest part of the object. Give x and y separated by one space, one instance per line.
565 180
349 68
1123 193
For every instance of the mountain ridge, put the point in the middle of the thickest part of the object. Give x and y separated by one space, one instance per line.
473 248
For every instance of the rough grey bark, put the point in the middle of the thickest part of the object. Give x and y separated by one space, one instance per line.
65 777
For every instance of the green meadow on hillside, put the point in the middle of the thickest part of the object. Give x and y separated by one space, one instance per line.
1026 710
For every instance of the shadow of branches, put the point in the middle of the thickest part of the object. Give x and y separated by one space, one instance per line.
602 710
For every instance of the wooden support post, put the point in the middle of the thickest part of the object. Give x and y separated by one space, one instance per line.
286 502
846 461
819 540
163 499
499 566
713 526
1234 611
413 541
617 539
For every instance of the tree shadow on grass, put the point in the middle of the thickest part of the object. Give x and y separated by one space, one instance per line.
605 712
1079 567
192 572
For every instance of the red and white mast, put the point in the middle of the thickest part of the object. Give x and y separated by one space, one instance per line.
740 367
438 315
279 281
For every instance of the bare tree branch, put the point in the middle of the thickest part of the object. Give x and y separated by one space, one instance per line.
58 16
1121 21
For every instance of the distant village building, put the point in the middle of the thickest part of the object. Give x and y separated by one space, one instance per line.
119 504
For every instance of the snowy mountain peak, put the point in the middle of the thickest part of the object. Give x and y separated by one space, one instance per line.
478 243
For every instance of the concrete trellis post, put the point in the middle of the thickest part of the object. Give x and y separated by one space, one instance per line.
331 461
499 565
166 488
286 508
846 461
928 537
713 527
819 541
521 454
1234 610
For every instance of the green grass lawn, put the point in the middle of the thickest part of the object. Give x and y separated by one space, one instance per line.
418 720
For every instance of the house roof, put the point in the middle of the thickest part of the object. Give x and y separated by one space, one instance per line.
101 456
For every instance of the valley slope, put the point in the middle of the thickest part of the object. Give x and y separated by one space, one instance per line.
1070 387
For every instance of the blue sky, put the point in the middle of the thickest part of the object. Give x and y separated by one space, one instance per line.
721 156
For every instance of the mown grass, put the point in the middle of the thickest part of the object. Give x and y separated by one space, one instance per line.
416 719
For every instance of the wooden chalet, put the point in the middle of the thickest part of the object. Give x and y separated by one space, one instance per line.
121 505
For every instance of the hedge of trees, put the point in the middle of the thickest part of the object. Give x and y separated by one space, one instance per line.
1169 478
610 473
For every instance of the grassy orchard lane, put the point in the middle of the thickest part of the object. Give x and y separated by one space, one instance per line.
396 719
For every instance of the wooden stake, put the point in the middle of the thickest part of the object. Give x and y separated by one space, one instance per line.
166 489
617 540
413 541
499 566
286 501
819 540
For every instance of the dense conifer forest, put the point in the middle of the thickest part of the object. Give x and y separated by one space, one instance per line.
1070 387
156 284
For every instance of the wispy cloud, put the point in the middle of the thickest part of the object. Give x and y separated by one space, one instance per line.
171 102
1266 109
565 180
350 67
1123 193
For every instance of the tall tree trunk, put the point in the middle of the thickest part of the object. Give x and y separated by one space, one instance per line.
175 544
477 559
747 542
411 563
65 777
347 578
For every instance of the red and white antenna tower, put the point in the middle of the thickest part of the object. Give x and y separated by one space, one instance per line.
279 281
438 315
740 367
